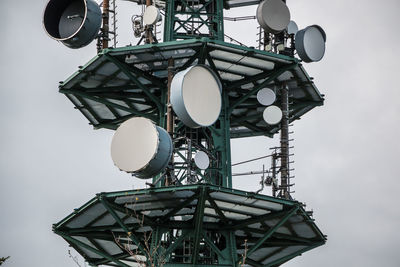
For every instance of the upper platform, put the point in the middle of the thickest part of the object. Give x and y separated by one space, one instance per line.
132 81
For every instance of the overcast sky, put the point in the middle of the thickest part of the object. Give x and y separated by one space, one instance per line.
346 152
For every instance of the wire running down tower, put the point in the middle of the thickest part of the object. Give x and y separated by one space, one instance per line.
175 105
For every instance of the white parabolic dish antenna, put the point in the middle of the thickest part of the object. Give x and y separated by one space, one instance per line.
266 97
201 160
273 15
196 96
140 147
272 115
151 15
310 43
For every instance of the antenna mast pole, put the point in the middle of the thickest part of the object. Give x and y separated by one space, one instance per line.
170 118
106 15
285 142
149 28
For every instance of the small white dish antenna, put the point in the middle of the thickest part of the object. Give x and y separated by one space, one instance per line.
196 96
292 27
201 160
272 115
310 43
266 97
273 16
151 15
140 147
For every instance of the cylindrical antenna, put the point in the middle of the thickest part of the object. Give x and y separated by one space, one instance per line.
170 118
285 142
106 13
149 28
273 167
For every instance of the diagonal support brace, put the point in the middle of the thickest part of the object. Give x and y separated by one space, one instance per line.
271 231
123 226
128 73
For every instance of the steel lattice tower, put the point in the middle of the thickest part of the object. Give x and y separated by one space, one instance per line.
188 217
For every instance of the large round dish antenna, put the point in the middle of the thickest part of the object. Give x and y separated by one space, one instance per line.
196 96
266 97
151 15
140 147
75 23
273 16
310 43
272 115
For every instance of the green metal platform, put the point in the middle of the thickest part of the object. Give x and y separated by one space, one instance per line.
193 225
130 81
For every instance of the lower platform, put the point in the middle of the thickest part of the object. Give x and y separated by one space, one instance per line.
192 225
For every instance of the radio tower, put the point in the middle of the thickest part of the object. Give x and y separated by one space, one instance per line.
175 105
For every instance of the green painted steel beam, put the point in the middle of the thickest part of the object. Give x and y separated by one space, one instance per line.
94 229
134 79
233 248
114 123
295 239
314 226
81 244
177 27
252 134
190 61
106 102
155 246
213 247
292 255
146 219
198 223
178 208
203 54
256 219
242 118
203 179
64 83
252 263
217 209
271 231
176 244
154 80
194 265
87 107
194 187
252 127
187 225
106 204
79 107
213 67
241 50
117 257
85 206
